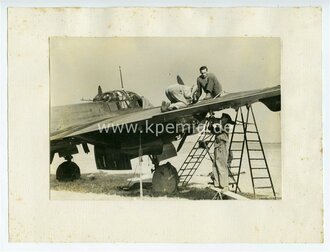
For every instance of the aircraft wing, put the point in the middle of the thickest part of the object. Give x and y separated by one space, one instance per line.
271 97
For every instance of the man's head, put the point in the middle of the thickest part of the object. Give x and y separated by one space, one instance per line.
225 118
227 123
203 70
224 124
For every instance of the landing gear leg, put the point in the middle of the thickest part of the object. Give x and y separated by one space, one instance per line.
154 161
68 170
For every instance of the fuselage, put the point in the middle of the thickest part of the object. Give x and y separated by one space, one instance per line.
127 139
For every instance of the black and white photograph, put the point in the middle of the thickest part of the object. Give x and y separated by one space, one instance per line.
199 124
177 118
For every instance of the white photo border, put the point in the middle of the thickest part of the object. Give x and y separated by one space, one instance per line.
6 246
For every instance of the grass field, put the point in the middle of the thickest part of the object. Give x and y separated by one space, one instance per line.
95 184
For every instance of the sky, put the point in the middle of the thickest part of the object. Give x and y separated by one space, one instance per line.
149 64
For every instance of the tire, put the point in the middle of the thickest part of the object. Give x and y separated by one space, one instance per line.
67 171
165 179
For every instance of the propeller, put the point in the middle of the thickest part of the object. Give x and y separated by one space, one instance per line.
179 80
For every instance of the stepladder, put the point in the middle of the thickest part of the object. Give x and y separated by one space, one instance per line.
246 139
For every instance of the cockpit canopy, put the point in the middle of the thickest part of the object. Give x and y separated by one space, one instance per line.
123 99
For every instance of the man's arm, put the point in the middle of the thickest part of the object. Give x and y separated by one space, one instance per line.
213 85
196 92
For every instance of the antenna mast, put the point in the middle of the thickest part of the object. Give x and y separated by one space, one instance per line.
121 78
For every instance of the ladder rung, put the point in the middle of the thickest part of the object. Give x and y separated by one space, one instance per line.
238 133
254 141
182 178
189 169
193 158
257 159
261 178
235 174
255 149
199 148
184 175
235 158
248 131
191 161
236 150
243 122
237 141
196 155
185 164
234 166
193 151
259 168
262 187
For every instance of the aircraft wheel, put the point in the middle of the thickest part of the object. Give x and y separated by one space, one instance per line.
67 171
165 179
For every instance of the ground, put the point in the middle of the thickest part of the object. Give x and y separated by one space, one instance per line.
105 185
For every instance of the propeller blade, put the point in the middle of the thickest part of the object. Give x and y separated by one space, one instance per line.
179 80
